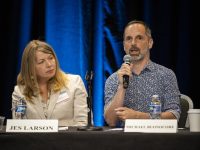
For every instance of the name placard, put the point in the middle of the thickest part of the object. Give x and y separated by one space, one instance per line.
31 125
151 125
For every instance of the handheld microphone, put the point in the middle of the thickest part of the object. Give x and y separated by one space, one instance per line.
127 59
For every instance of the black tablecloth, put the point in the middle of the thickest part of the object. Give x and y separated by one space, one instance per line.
72 139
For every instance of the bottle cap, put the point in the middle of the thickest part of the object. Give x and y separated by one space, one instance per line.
156 96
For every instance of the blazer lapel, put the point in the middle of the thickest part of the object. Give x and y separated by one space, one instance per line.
38 106
52 103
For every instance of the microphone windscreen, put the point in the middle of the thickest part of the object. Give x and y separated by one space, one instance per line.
127 59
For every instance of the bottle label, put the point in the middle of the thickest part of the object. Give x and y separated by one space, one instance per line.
155 111
155 108
21 109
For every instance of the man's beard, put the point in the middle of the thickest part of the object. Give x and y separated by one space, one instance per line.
137 58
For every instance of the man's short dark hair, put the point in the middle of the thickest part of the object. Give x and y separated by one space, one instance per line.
147 29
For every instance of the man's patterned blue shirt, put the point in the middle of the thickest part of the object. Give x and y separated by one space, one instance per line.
153 80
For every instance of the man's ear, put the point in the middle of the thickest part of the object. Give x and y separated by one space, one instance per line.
150 43
124 47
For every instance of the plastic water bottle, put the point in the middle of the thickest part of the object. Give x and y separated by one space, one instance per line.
20 109
155 107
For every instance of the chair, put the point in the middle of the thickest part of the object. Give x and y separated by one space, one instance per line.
186 103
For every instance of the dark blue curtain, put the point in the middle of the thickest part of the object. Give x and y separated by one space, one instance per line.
75 30
87 35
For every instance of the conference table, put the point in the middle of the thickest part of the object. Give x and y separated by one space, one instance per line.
107 139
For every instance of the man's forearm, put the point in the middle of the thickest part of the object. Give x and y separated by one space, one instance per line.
117 101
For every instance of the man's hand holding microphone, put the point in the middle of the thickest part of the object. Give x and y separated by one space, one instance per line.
125 72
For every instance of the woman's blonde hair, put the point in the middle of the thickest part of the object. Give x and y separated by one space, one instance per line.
27 76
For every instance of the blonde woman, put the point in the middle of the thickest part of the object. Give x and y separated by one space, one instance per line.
48 92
